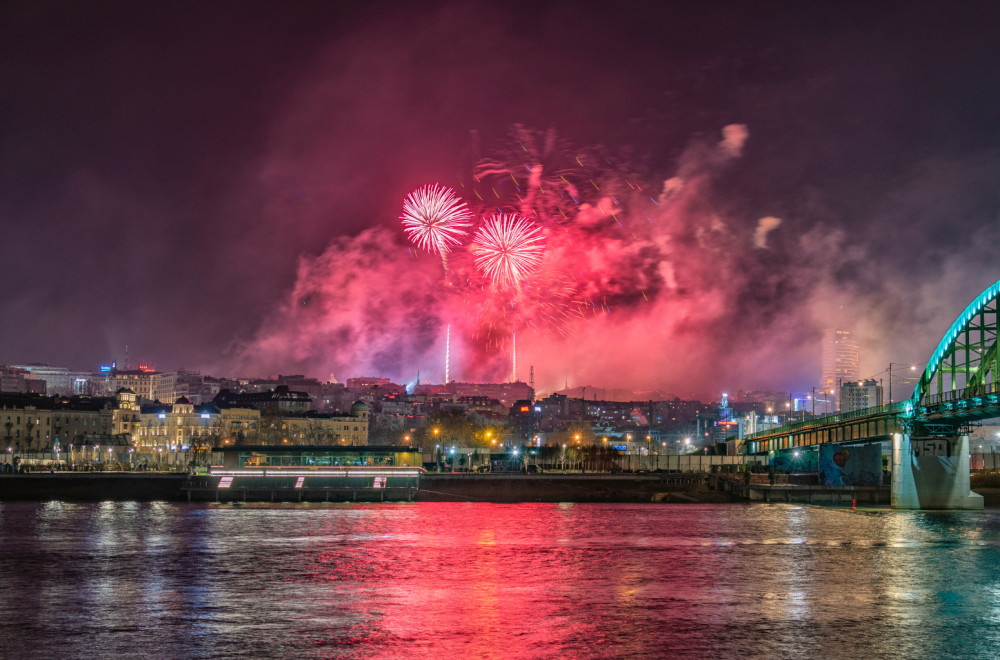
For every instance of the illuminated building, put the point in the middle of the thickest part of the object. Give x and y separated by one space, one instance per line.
178 426
841 360
240 422
191 385
140 381
33 423
328 430
860 395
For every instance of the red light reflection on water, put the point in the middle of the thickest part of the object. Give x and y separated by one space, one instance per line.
495 580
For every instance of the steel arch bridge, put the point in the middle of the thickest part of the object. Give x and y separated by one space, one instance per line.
963 372
959 384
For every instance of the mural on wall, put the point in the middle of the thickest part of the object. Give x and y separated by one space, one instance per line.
794 461
859 465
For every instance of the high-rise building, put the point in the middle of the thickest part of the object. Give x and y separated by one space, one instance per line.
841 360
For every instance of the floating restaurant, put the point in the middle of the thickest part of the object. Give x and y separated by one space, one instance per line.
312 456
309 473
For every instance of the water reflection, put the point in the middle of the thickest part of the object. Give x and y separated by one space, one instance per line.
481 580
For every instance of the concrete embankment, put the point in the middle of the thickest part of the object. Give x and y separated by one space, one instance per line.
74 486
91 486
566 488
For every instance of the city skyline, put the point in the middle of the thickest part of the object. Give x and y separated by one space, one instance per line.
221 189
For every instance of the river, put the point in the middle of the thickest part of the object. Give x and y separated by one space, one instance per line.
455 580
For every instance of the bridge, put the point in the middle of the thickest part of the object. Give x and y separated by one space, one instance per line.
929 432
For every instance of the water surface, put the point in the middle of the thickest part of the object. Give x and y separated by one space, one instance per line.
495 581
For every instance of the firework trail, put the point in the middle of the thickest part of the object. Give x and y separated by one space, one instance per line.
509 248
435 219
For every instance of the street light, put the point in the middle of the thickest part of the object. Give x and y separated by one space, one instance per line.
913 367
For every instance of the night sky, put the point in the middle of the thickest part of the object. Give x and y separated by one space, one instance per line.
193 180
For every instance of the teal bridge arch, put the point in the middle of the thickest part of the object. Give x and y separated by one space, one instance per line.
966 363
960 383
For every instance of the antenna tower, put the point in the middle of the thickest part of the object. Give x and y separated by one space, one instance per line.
513 373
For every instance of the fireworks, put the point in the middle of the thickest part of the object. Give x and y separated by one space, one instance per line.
435 218
510 248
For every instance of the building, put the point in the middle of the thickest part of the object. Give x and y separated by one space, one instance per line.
141 381
280 398
315 456
33 423
191 385
15 379
841 360
506 393
858 395
327 430
57 379
230 421
178 426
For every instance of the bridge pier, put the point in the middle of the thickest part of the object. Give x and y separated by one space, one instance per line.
932 473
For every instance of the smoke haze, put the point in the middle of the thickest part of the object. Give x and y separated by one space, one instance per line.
218 185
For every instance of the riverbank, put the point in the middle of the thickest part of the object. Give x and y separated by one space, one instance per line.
91 486
445 487
501 488
567 488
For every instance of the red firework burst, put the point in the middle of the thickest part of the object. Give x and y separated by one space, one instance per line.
510 247
435 218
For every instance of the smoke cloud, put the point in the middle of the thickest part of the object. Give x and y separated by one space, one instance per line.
638 288
764 226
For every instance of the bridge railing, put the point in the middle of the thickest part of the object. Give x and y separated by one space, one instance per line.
958 395
895 408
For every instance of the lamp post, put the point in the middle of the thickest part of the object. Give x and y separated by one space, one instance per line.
437 450
913 367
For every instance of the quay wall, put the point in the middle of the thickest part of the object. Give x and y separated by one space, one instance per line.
566 488
91 487
94 487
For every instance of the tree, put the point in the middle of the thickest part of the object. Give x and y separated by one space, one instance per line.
453 427
271 429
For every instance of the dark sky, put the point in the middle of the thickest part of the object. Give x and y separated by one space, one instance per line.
164 167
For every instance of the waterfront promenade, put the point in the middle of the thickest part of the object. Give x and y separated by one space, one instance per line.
429 487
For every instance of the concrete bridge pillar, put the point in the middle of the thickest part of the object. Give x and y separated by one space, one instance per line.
932 473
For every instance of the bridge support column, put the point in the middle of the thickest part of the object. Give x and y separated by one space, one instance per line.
932 473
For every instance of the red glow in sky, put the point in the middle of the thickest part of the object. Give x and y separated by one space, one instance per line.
715 186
